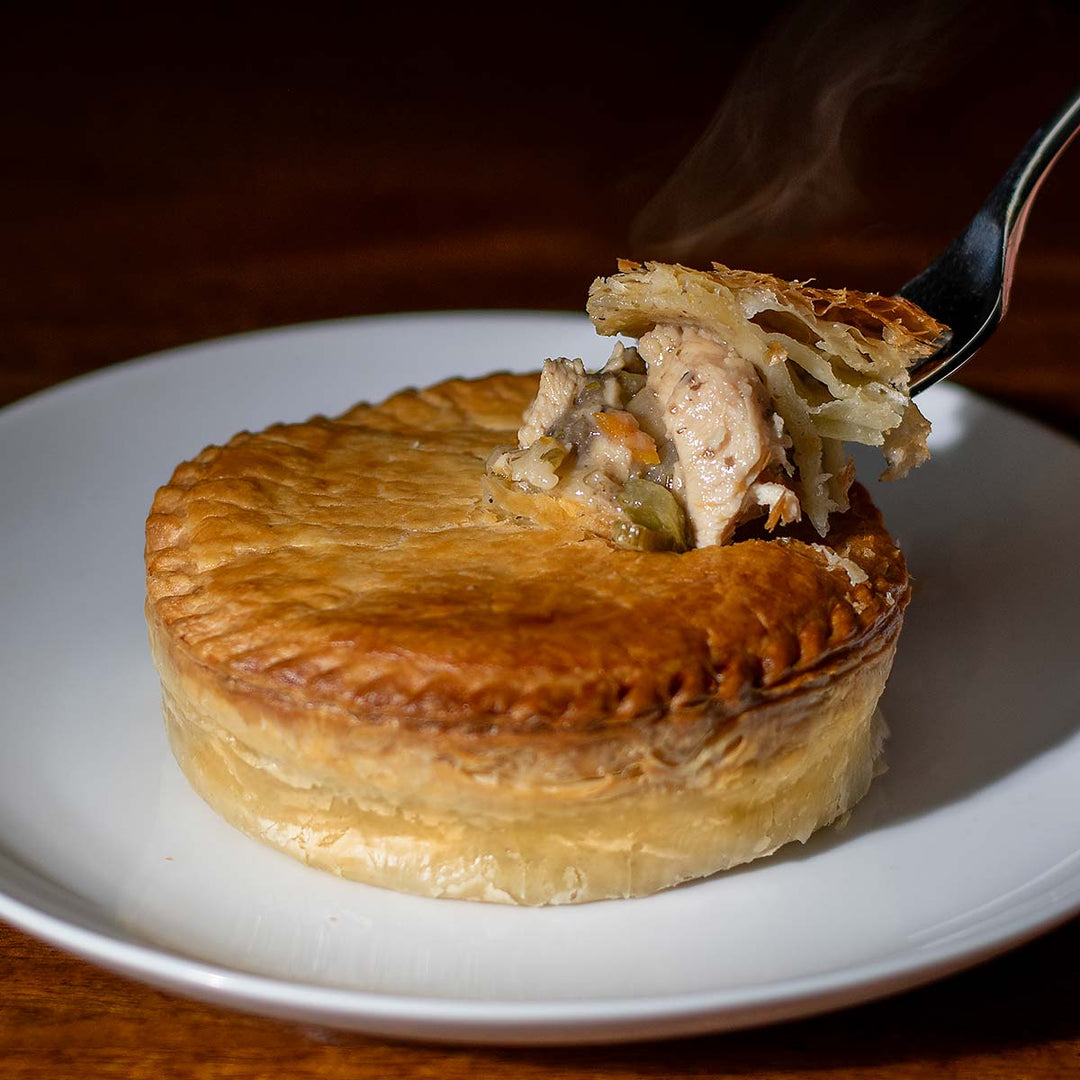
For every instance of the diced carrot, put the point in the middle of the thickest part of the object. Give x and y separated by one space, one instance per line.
623 428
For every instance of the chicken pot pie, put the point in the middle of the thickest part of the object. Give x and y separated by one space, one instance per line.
405 646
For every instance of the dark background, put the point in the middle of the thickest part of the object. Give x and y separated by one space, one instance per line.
168 176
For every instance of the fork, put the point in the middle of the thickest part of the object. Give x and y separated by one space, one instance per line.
967 286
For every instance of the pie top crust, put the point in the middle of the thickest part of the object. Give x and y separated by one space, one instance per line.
890 331
352 569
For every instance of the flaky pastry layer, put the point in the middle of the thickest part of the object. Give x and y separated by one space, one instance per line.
399 814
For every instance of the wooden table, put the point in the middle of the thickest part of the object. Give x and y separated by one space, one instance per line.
167 180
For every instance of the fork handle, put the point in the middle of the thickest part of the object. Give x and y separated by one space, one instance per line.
1008 204
968 285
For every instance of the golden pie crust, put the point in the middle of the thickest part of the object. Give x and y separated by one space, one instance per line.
365 666
892 331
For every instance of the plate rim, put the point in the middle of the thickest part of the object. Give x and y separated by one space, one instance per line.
522 1022
478 1019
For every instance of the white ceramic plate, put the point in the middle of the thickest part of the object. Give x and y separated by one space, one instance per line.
966 846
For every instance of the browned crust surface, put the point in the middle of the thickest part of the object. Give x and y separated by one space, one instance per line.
350 567
891 320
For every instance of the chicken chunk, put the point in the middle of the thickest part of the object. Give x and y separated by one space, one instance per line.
561 381
717 416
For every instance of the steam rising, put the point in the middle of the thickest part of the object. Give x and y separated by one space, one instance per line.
773 158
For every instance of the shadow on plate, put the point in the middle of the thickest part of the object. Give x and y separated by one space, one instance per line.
986 678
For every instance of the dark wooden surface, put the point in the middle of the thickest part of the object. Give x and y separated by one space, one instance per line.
168 178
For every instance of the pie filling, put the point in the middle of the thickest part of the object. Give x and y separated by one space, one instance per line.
679 440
